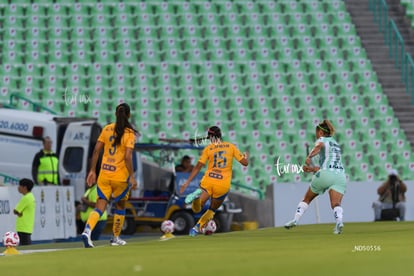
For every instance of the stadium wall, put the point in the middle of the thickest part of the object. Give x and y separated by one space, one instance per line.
55 212
254 210
357 203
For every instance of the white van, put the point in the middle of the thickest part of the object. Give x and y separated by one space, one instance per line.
73 140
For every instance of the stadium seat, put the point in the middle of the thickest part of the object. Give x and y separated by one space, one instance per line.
262 70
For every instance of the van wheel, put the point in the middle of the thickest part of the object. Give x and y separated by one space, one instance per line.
129 227
221 221
183 222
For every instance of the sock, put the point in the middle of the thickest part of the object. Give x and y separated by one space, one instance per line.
119 218
92 220
302 206
196 205
209 214
338 214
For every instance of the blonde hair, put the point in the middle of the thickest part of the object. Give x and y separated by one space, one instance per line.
327 127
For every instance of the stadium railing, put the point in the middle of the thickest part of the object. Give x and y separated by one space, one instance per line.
15 97
395 42
255 191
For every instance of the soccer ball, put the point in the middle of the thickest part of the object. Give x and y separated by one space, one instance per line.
167 226
209 228
11 239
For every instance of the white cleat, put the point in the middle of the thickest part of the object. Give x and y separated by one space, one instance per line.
291 224
115 241
86 238
338 228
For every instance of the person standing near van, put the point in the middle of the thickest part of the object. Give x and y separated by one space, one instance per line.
25 211
45 165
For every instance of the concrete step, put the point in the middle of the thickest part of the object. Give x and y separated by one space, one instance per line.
389 76
404 120
381 74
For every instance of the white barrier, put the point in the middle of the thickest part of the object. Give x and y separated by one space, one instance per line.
357 203
55 212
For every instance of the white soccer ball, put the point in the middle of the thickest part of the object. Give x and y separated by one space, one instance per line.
11 239
209 228
167 226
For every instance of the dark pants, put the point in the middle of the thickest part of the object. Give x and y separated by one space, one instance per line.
96 233
80 225
25 238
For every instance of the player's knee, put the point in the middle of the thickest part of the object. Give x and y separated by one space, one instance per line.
120 204
100 213
214 206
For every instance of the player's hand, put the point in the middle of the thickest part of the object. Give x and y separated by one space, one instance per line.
246 155
183 187
310 169
134 183
307 169
308 161
91 179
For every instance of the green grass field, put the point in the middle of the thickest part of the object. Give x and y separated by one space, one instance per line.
381 248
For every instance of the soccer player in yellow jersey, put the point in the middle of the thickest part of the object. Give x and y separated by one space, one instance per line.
216 181
116 177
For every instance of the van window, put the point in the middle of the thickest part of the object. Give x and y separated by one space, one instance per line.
73 159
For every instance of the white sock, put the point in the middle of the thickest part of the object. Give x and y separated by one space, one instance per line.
302 206
338 214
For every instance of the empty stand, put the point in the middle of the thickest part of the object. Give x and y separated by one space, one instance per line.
264 71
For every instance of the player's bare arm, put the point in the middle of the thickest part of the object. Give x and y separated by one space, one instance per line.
91 179
128 164
17 213
193 174
313 152
245 160
307 167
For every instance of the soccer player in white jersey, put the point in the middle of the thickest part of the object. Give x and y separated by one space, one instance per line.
329 175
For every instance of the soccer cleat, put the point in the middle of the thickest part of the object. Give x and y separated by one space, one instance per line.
290 224
338 228
86 238
115 241
190 197
194 231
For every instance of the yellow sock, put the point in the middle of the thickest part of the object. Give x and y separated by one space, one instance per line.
118 222
196 205
209 214
92 220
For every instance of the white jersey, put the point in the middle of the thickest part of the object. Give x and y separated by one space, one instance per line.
330 155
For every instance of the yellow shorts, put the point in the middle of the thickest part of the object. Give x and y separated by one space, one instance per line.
215 190
116 190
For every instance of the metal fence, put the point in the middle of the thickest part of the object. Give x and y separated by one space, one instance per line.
395 42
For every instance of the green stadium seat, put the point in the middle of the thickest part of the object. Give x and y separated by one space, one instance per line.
301 61
335 5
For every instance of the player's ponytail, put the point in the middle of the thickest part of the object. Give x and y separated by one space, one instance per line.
327 127
122 114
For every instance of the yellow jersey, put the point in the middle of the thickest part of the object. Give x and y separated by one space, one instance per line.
113 160
220 161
